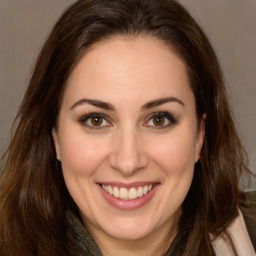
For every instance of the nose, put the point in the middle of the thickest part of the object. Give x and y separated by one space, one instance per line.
128 154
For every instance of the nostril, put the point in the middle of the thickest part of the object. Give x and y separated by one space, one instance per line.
128 164
128 155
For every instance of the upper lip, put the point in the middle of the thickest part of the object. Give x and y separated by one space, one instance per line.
128 185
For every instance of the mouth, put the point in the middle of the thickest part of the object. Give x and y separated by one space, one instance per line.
128 196
124 193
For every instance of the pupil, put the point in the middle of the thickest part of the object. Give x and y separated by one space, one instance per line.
96 121
159 120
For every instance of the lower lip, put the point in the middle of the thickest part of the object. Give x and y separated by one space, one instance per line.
128 204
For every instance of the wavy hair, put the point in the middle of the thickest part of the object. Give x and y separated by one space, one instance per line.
33 196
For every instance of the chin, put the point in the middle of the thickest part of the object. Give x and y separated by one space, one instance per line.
130 234
126 228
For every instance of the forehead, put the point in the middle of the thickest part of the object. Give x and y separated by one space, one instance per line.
121 67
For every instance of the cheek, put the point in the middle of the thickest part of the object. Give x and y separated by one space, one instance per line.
175 153
175 156
82 154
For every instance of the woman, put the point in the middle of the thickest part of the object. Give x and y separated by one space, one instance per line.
124 143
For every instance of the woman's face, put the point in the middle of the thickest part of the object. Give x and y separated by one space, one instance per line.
128 138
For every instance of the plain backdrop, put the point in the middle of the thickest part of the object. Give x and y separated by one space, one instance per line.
230 25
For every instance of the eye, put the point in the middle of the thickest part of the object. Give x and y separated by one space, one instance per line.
95 121
161 120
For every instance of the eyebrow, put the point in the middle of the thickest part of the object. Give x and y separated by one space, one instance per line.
161 101
96 103
108 106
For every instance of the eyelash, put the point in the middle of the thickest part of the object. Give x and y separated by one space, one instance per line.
88 117
104 118
166 115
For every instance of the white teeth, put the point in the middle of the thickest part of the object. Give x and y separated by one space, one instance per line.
132 193
145 190
110 190
125 194
116 192
140 192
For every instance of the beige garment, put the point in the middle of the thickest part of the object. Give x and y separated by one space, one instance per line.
240 237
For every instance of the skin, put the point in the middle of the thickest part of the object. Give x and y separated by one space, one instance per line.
128 147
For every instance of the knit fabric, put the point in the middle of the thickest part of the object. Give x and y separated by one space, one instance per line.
80 241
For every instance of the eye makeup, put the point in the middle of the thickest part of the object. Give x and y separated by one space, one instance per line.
160 120
95 120
156 120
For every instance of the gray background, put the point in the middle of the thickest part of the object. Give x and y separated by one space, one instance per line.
230 25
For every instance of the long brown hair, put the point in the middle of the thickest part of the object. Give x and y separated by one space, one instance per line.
33 197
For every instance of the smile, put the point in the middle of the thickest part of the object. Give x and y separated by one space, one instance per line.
127 194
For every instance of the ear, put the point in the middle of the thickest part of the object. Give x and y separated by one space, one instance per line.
200 137
56 143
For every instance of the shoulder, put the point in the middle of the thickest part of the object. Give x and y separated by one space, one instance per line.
240 237
250 215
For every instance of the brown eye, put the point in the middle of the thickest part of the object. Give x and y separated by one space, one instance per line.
96 121
158 120
161 120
